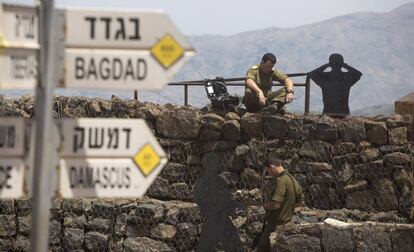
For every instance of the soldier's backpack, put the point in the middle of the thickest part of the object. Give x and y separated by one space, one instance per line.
219 96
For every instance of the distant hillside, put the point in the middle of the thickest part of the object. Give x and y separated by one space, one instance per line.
388 109
378 44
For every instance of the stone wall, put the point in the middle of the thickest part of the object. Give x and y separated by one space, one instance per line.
368 236
354 163
363 166
140 225
104 225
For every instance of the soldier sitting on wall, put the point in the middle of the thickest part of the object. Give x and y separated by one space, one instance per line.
259 80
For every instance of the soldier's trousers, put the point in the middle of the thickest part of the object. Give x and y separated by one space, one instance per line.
264 242
251 100
268 228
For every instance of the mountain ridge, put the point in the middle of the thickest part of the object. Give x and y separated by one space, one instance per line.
378 44
401 8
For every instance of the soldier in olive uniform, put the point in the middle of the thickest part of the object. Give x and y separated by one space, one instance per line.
259 79
287 196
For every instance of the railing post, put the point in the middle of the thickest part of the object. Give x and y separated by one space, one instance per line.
307 95
185 94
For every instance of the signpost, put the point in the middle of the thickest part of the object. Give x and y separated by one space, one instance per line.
108 158
115 50
18 46
12 166
120 49
89 49
43 170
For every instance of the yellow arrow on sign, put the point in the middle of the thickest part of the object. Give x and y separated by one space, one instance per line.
147 159
167 51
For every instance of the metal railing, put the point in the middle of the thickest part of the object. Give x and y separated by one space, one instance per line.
240 82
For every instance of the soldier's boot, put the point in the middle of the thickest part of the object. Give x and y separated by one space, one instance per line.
275 107
281 109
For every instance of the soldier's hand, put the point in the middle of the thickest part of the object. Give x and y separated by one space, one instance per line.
298 209
289 98
262 98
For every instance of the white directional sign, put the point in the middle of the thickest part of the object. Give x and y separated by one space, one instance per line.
12 132
108 158
18 46
11 137
121 49
11 178
96 137
115 69
18 68
19 26
94 48
109 29
102 178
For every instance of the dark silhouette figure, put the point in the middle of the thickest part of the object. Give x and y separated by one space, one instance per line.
216 205
335 85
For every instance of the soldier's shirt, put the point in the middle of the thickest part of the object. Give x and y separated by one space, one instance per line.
264 81
288 192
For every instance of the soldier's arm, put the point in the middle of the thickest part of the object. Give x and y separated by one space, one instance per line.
300 196
288 84
299 207
289 88
300 204
255 88
273 205
250 80
278 197
283 78
300 200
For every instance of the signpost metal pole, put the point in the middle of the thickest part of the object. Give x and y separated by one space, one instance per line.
42 170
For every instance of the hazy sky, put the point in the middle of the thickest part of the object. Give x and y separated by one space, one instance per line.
226 17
